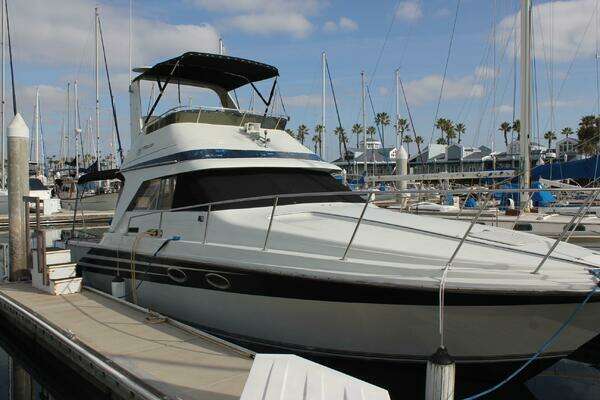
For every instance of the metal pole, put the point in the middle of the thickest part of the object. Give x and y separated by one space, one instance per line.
77 132
130 38
567 228
275 201
206 225
525 133
96 69
322 134
364 123
397 80
18 186
362 214
2 89
36 122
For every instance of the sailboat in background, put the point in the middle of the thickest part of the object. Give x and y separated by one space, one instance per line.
89 190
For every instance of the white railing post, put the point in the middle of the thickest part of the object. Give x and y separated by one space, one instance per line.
275 201
362 214
206 224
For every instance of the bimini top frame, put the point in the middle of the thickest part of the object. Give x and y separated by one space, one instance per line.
217 72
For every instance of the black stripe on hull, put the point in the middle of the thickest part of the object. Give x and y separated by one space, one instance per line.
259 283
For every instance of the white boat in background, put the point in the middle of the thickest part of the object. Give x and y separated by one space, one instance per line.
228 223
36 189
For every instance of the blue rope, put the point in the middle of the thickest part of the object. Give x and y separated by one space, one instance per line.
544 346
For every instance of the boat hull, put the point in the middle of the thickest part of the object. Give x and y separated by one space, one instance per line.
361 327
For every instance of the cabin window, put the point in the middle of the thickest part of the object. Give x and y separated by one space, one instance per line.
523 227
577 228
155 194
200 187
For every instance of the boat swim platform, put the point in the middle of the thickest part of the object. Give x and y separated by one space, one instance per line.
137 354
65 218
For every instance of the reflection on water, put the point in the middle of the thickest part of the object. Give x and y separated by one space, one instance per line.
28 372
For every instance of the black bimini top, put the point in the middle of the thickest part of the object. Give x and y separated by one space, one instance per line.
201 69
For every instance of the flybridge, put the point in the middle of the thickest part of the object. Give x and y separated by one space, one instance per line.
218 73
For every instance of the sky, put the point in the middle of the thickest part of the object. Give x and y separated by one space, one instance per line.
468 45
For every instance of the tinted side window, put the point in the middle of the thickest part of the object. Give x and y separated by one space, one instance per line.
155 194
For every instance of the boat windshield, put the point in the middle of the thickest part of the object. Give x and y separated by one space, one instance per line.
208 186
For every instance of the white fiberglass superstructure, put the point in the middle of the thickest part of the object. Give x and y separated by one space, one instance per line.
226 222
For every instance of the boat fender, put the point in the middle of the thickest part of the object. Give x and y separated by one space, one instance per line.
117 287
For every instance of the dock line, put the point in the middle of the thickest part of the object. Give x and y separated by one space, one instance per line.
544 346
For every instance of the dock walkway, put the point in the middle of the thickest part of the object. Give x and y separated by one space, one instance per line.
155 357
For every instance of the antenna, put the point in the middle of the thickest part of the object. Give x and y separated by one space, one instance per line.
96 69
322 133
130 38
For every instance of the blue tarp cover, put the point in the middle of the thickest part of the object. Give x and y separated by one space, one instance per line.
588 168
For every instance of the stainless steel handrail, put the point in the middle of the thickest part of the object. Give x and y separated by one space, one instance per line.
570 226
362 214
270 222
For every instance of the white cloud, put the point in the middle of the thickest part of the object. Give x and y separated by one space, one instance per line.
330 26
427 89
504 109
569 21
294 24
62 34
409 10
383 91
265 17
344 24
348 24
249 6
486 72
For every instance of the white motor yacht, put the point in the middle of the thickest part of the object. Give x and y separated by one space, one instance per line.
228 223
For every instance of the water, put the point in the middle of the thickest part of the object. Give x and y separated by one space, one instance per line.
41 376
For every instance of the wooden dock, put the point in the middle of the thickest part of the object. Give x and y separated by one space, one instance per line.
125 349
65 218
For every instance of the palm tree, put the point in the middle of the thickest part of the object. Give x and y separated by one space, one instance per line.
460 129
341 134
408 140
371 132
441 140
320 131
418 142
450 131
549 136
441 125
302 132
290 132
357 129
382 119
588 134
401 128
505 127
317 142
567 131
516 127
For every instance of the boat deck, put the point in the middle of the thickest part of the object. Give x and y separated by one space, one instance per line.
169 359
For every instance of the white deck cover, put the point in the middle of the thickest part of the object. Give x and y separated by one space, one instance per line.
289 377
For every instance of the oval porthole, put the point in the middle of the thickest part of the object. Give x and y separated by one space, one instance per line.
177 275
523 227
217 281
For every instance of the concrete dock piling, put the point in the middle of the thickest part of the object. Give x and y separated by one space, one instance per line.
439 383
18 186
402 170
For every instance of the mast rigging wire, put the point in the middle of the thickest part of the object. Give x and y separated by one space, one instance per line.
110 91
437 109
10 56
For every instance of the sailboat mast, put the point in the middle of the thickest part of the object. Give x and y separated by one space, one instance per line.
96 70
322 134
77 132
524 147
397 81
221 46
3 139
36 124
130 38
364 120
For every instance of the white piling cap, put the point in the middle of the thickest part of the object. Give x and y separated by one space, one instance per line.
401 154
18 127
